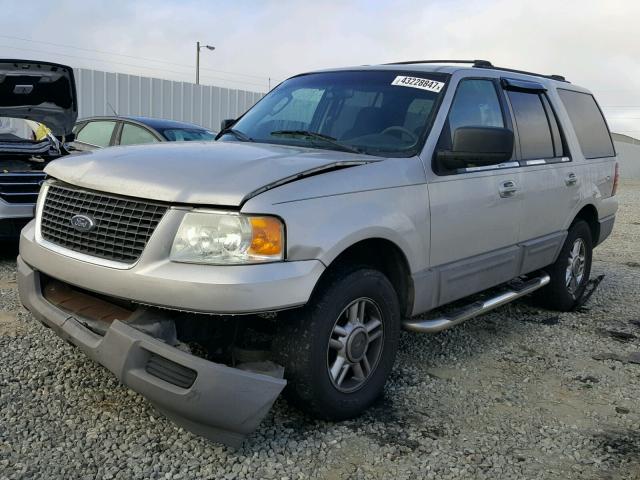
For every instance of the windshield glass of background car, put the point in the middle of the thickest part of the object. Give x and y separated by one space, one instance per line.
377 112
187 135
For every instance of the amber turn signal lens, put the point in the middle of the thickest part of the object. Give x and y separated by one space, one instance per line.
267 238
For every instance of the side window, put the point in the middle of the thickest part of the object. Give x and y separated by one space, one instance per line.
588 123
134 135
534 129
475 104
97 133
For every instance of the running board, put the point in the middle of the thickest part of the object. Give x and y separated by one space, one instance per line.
510 294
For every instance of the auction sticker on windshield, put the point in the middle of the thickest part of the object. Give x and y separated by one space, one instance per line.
421 83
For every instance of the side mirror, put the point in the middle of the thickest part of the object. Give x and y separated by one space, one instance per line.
226 123
477 147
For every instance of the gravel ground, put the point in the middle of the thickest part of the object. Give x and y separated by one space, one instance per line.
516 394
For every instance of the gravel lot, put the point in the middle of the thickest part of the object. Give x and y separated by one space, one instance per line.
516 394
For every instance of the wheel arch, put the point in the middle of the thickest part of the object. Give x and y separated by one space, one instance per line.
589 214
368 252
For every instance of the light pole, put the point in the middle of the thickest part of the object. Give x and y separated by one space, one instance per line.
198 47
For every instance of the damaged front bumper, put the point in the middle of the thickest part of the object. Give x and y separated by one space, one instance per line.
219 402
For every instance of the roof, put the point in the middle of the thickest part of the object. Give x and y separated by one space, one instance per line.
482 64
450 67
155 123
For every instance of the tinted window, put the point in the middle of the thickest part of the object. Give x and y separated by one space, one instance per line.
475 104
97 133
536 140
134 135
588 123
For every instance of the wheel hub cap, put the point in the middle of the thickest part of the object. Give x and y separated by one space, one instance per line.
355 345
575 266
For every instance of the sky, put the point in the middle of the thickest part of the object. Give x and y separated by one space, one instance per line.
595 44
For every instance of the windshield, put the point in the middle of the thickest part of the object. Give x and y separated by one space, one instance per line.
186 135
375 112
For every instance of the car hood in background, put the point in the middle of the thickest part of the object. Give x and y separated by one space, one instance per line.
220 173
40 91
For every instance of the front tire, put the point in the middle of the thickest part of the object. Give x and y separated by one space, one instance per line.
339 349
570 273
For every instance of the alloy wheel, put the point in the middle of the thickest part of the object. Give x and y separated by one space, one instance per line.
355 345
576 262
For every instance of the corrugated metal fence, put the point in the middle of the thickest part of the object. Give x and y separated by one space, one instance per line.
629 158
205 105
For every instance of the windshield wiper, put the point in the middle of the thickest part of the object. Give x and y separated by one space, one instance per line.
318 136
236 133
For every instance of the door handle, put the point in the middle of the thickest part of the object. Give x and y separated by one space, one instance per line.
508 189
571 179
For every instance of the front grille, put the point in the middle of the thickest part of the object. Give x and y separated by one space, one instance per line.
122 225
20 187
170 371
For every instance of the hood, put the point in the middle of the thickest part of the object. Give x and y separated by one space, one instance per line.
205 173
40 91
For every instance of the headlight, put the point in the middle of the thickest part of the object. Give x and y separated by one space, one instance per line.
228 238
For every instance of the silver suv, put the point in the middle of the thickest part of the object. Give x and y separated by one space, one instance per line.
342 207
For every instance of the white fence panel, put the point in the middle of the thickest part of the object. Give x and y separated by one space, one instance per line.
100 93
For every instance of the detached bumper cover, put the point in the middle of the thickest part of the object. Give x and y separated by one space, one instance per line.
223 404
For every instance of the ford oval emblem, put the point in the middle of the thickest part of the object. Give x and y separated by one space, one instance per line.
83 223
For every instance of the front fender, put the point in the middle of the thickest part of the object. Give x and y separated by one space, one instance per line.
322 228
327 213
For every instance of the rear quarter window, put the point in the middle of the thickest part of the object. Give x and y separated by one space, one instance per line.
588 123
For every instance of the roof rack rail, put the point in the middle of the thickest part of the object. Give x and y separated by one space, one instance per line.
484 64
476 63
559 78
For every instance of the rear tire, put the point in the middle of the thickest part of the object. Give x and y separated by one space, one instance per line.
339 349
570 273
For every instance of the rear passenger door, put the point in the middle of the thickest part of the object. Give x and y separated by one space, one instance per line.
475 212
549 177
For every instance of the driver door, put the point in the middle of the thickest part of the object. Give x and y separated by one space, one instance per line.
475 212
